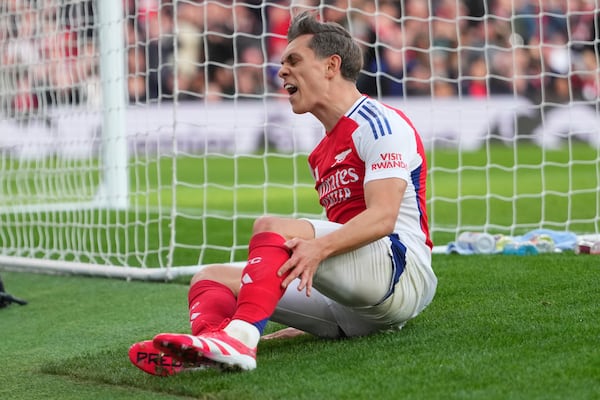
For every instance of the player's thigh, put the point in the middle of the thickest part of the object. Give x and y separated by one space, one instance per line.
359 278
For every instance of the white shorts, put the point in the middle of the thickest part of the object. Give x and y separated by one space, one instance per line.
364 291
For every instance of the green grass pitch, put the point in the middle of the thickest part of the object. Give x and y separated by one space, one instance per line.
500 327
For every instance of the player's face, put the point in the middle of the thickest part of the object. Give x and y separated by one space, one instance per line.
303 75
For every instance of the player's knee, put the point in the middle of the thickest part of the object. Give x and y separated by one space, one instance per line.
209 272
286 227
266 224
228 275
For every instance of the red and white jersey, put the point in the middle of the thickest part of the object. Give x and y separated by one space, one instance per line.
373 141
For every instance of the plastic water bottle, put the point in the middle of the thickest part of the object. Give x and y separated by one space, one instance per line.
477 242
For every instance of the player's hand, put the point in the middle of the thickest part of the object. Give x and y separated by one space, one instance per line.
305 259
284 333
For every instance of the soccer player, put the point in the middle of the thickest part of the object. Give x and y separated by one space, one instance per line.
365 269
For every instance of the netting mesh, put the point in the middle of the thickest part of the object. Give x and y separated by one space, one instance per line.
504 93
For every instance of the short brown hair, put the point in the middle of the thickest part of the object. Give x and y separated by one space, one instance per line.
329 38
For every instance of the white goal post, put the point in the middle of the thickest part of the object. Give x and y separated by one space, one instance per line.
140 138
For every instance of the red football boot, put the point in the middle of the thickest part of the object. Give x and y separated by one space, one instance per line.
151 360
227 352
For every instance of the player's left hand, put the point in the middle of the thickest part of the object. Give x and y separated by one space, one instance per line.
303 263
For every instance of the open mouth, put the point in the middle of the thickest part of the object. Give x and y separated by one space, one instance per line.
291 89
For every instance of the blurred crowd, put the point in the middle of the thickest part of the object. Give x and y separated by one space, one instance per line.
48 54
547 51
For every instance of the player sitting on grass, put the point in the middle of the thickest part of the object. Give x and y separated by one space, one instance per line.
365 270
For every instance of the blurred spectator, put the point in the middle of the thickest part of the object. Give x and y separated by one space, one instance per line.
156 23
20 50
475 82
384 54
249 77
136 78
588 75
278 20
190 18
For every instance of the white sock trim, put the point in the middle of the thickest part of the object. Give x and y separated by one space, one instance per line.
243 331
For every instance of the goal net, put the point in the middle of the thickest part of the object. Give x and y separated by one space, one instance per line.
141 138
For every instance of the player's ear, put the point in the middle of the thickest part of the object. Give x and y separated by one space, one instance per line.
334 64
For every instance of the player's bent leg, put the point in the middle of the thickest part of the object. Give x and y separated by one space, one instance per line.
365 291
411 294
145 356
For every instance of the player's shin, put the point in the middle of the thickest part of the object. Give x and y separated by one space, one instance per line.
210 303
261 287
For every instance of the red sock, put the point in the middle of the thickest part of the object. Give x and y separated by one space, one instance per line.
210 304
261 287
